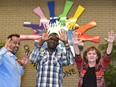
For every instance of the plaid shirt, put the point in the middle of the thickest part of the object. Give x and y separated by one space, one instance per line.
50 65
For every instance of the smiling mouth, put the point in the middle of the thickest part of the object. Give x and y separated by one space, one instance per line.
16 48
92 58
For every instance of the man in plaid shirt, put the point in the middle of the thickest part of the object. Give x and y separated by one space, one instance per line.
50 60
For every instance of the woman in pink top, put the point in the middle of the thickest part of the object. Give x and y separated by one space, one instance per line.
91 69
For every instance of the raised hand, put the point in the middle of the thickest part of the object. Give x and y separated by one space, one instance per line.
110 40
111 37
24 60
74 38
45 35
63 36
7 44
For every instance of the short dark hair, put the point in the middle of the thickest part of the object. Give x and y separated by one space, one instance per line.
12 35
53 34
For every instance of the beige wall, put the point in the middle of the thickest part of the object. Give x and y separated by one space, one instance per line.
14 12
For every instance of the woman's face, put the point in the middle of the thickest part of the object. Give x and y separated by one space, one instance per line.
92 56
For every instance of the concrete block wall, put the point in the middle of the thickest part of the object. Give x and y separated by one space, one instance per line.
14 12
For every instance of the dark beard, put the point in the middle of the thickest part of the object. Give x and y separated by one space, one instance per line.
15 50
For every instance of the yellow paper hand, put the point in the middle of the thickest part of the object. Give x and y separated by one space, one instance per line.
72 21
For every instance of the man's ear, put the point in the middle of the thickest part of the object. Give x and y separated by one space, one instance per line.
58 43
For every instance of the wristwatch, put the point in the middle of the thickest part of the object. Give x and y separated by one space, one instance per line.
67 45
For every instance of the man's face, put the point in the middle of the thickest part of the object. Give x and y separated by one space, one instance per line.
53 41
14 44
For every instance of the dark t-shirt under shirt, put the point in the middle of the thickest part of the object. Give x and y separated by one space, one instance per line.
89 79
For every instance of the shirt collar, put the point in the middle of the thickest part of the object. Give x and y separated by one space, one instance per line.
12 55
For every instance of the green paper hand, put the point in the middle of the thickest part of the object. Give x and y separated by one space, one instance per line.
62 17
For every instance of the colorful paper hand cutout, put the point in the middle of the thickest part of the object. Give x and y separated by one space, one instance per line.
43 21
51 6
85 37
30 37
55 24
36 27
63 16
72 21
82 29
39 12
54 28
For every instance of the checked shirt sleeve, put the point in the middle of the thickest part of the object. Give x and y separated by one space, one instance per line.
68 58
34 56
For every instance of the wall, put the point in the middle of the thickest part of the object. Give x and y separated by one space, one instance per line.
14 12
